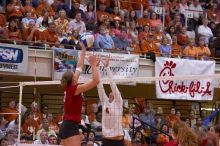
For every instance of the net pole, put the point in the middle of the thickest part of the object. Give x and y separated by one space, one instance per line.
186 18
95 9
19 116
164 16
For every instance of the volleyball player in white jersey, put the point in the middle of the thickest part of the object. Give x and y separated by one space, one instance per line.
112 109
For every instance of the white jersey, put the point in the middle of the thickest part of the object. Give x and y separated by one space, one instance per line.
111 112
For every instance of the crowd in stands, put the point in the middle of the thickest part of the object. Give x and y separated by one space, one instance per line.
116 25
151 126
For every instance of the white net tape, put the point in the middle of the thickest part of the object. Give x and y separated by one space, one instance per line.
215 80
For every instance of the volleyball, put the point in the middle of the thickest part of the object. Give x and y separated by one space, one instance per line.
87 38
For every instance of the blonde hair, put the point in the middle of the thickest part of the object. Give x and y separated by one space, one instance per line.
185 135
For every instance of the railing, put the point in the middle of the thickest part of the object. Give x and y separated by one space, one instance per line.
49 46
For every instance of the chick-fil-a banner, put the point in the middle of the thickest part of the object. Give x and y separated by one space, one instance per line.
196 89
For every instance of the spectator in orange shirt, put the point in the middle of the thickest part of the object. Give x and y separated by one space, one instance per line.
30 126
36 112
44 6
52 125
183 38
30 9
203 51
143 21
31 33
126 6
101 13
190 51
2 18
149 45
176 49
13 33
10 109
61 21
159 34
15 9
59 116
142 35
116 14
171 118
50 35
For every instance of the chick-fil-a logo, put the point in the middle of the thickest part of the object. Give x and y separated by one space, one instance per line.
169 86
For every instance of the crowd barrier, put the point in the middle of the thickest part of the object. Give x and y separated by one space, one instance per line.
50 46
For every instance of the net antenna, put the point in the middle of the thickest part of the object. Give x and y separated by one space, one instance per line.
145 80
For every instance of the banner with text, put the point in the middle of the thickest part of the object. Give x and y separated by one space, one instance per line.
122 65
13 58
201 89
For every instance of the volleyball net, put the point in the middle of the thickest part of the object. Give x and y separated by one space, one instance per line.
214 81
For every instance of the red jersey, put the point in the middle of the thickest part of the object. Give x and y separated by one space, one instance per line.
72 104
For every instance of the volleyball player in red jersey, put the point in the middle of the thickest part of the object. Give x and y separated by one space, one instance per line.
69 130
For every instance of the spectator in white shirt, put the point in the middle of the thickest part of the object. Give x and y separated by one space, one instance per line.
77 24
43 138
204 31
112 109
197 11
45 127
183 7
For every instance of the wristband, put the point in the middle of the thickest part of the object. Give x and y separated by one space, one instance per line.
79 69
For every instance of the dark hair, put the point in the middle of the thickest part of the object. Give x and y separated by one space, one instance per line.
89 133
23 138
67 78
168 30
142 138
152 14
89 5
12 29
173 108
52 136
135 17
162 128
217 129
3 139
78 12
